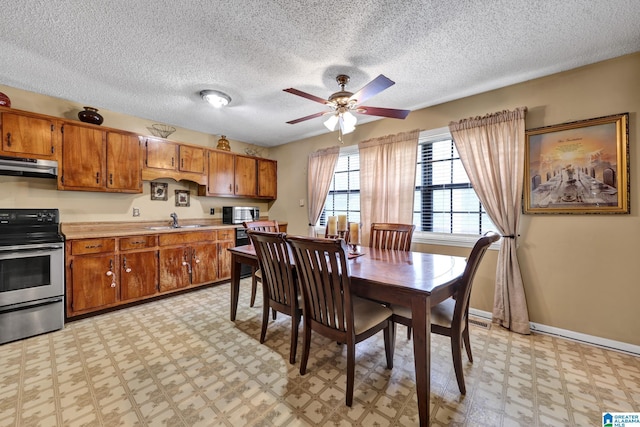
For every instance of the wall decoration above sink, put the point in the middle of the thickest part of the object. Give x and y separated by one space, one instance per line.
182 198
159 191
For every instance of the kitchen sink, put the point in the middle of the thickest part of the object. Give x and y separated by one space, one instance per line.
168 227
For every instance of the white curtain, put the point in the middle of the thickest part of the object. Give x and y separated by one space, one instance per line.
387 180
320 168
492 151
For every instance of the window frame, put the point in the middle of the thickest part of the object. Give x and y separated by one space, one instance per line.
437 238
426 237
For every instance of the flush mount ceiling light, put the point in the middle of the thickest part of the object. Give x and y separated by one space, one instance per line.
215 97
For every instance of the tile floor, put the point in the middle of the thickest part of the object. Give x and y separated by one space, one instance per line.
181 362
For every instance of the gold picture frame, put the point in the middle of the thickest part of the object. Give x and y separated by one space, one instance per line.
182 198
159 191
579 167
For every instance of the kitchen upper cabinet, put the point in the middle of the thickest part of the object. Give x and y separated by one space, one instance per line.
97 160
123 163
246 176
84 158
221 181
160 154
267 179
166 159
191 159
28 136
233 175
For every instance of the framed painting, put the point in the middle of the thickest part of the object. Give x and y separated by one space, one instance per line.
182 198
578 168
159 190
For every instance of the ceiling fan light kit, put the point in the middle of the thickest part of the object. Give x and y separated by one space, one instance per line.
215 97
344 103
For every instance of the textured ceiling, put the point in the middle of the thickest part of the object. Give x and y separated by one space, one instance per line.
151 58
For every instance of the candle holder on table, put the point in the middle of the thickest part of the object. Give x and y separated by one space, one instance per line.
354 238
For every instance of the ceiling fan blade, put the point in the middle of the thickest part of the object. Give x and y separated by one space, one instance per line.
312 116
372 88
383 112
306 95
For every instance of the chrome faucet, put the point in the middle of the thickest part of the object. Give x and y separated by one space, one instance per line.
174 217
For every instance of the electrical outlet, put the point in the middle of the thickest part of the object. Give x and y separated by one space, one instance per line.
212 211
136 212
301 202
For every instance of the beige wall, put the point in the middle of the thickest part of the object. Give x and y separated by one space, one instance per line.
90 206
580 271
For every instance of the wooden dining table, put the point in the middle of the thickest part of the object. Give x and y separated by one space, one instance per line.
416 280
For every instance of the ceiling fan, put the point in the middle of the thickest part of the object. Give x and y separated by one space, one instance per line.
343 104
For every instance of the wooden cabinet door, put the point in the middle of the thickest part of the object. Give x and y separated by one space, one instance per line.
27 135
267 179
138 274
204 263
191 159
92 287
123 163
221 177
161 154
246 177
224 259
83 157
174 267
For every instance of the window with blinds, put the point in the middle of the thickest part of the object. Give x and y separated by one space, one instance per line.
344 193
444 200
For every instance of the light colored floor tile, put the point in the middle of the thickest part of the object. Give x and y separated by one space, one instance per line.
179 361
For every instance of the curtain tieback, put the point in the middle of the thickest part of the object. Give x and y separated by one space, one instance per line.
509 236
311 225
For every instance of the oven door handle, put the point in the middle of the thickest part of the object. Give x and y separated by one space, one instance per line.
31 250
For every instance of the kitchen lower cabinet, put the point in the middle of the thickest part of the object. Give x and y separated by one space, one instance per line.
91 274
204 263
138 267
105 273
175 268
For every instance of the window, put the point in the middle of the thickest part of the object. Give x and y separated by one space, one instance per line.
344 192
444 200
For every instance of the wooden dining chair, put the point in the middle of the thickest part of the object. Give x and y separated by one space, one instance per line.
279 289
451 317
264 225
329 307
385 235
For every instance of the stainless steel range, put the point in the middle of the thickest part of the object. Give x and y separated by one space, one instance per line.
31 273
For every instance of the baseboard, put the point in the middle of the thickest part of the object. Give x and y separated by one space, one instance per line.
571 335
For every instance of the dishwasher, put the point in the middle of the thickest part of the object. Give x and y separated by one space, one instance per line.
242 238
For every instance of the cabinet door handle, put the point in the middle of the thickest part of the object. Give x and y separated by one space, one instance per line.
173 161
111 274
181 163
97 177
126 268
111 179
9 139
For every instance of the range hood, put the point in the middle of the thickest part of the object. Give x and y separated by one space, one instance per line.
18 166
